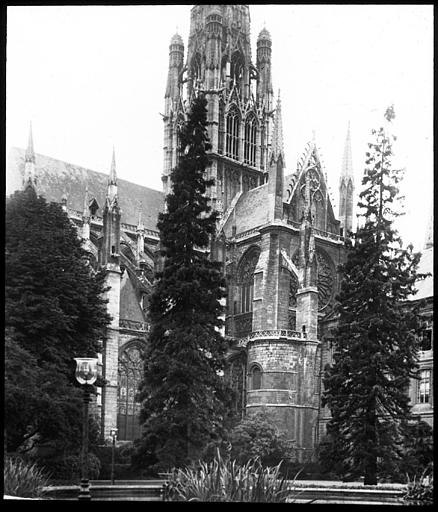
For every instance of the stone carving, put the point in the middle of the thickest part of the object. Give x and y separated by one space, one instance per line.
247 266
293 288
243 323
293 319
325 280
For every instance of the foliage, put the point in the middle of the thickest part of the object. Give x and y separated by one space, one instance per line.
68 467
23 479
256 437
227 481
184 397
328 453
375 353
418 449
420 490
54 311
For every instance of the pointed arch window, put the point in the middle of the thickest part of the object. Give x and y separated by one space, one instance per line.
246 280
232 133
256 377
250 141
130 375
178 130
196 70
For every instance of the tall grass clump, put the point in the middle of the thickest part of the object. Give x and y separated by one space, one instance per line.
420 490
23 479
226 480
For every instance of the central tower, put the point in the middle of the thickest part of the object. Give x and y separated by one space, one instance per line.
239 96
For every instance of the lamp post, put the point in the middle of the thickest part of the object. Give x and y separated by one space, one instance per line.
86 375
113 434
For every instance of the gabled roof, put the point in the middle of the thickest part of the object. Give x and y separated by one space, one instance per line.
55 177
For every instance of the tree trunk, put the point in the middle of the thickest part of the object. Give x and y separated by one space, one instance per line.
370 477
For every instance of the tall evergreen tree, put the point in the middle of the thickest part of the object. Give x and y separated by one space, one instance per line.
375 351
54 311
183 393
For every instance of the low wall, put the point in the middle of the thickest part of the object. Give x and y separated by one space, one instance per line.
302 491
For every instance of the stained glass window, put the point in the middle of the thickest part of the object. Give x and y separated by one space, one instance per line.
232 133
130 375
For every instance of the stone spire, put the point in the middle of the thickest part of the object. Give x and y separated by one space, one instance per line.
86 210
276 166
30 155
86 218
347 161
346 188
277 147
29 178
112 180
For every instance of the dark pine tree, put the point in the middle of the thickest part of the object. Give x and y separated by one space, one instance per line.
183 394
54 311
375 352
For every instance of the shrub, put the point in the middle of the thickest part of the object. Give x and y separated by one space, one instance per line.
69 467
256 437
227 481
23 479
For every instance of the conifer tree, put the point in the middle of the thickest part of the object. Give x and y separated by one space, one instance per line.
54 311
183 393
375 352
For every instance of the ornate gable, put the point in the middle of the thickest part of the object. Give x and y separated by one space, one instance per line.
309 168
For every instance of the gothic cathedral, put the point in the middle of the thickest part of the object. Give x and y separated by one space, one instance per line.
278 238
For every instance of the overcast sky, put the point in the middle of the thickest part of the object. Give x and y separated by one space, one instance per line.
90 77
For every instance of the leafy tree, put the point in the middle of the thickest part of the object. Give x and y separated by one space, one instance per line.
54 311
183 393
256 436
376 349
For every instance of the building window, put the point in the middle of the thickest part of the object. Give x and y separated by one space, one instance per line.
246 280
250 141
247 291
178 130
425 337
130 375
424 387
232 134
256 378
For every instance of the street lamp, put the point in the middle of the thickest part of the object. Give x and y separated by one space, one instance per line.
113 434
86 374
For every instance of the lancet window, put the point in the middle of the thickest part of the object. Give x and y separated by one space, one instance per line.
232 133
130 374
250 141
246 280
256 377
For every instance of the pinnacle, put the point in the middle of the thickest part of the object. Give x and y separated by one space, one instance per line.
30 155
277 147
113 175
86 203
347 162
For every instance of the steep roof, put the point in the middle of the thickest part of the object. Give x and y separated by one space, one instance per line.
55 178
250 211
